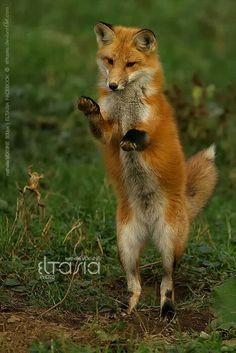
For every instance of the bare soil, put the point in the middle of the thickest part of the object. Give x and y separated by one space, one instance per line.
20 324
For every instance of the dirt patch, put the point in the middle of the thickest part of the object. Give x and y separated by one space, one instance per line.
20 328
20 324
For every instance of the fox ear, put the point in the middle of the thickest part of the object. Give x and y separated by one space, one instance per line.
145 40
104 33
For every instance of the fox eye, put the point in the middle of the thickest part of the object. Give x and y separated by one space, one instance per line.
110 61
130 64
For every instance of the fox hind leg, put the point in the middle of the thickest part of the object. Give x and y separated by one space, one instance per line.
163 239
167 288
167 308
171 242
130 240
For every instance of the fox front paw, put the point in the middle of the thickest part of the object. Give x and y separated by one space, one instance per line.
88 106
128 146
134 140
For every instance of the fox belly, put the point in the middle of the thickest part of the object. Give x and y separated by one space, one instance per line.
147 200
149 222
139 181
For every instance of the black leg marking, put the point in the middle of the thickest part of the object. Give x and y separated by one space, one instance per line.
168 310
135 140
169 294
174 264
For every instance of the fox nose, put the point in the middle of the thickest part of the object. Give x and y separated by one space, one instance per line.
113 86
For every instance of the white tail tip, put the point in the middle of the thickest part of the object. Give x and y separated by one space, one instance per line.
210 152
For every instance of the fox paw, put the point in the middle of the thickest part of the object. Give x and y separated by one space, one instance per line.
168 312
135 140
88 106
133 301
128 146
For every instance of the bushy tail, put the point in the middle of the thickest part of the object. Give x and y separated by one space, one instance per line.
201 180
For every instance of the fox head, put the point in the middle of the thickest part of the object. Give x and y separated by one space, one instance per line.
125 55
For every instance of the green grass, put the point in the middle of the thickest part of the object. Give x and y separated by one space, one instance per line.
212 344
52 63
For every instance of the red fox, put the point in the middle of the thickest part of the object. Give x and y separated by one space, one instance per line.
158 192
